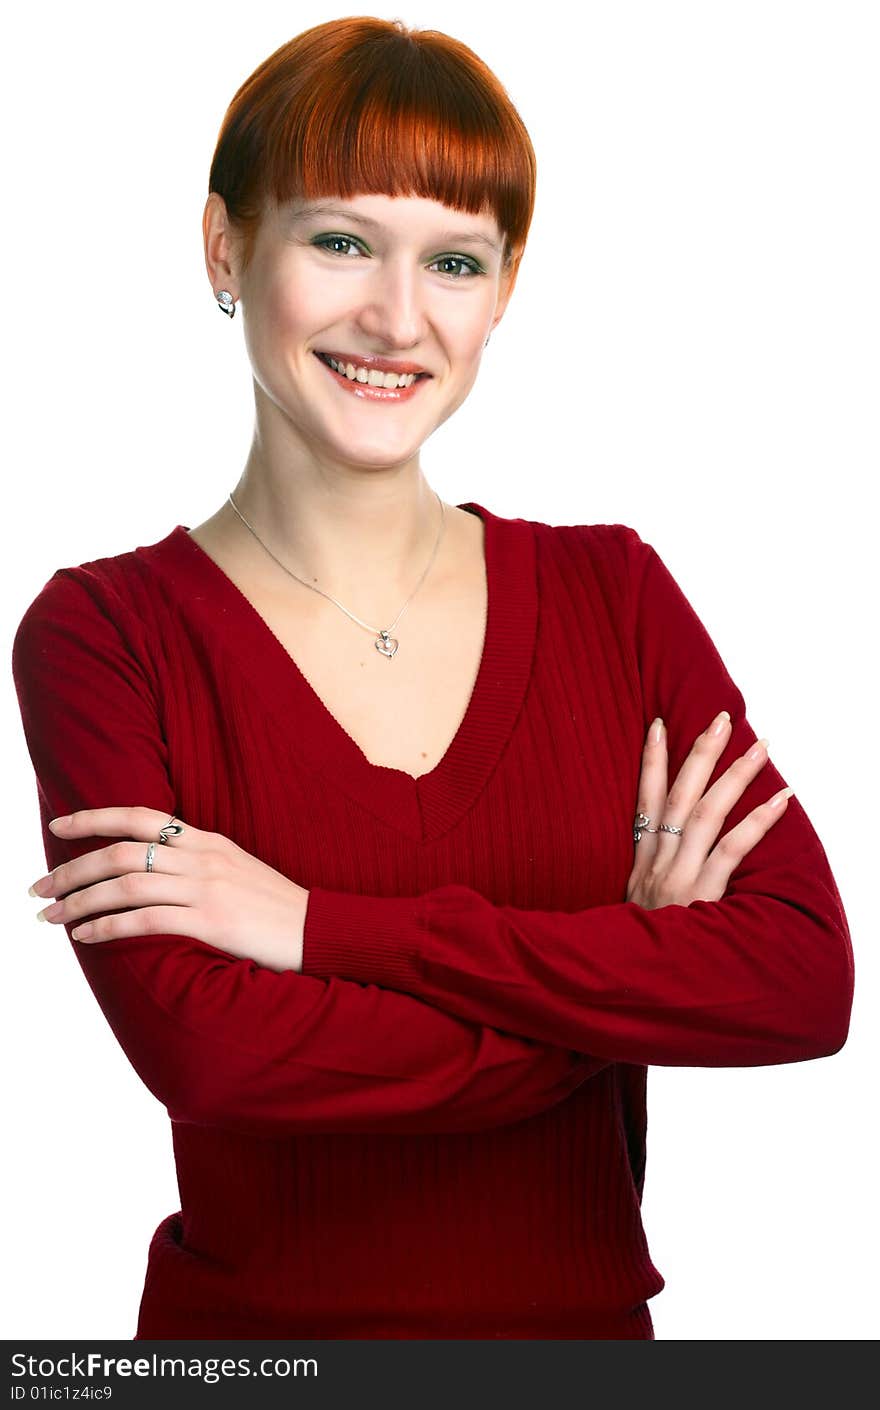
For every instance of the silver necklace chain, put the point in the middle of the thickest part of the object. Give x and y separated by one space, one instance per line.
385 642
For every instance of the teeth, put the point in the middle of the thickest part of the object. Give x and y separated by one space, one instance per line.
371 376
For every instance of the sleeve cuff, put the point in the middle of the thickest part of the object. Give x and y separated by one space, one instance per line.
372 939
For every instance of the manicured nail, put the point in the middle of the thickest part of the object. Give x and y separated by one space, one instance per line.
757 749
656 731
779 799
719 722
58 822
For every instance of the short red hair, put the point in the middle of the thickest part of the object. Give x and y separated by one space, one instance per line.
368 106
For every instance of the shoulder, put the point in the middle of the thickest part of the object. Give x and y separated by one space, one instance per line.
112 582
614 552
597 537
105 600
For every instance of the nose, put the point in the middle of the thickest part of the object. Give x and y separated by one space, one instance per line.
393 311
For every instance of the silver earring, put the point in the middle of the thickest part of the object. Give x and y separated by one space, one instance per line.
226 302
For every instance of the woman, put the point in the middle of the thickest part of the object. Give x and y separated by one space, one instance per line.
373 864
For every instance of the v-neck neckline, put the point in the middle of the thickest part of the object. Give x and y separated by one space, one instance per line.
423 807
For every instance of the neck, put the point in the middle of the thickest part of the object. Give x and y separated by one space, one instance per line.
377 534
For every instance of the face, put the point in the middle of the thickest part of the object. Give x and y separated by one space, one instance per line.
370 277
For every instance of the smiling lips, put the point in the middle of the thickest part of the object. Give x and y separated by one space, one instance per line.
372 361
363 383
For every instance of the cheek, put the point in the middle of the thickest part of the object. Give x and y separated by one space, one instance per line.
293 309
465 328
298 299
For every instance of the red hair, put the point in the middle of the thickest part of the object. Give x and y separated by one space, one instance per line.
364 105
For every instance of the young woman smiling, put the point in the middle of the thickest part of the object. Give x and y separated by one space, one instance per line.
397 838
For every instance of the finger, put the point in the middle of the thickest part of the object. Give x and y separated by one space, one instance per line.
124 892
153 920
141 823
692 777
115 860
651 796
724 859
708 814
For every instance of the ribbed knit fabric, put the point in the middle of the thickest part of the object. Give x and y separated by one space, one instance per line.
438 1128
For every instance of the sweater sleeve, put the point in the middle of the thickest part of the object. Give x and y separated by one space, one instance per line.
764 975
220 1040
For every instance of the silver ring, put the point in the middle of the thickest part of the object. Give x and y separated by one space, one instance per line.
641 825
171 829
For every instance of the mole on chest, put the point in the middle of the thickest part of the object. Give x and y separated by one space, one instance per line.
403 712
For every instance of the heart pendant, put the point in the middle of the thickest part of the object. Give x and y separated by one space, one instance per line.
386 644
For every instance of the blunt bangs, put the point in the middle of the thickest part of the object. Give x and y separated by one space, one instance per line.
364 106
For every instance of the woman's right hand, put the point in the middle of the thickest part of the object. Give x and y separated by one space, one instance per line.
673 871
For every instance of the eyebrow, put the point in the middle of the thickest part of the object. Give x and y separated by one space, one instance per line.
470 237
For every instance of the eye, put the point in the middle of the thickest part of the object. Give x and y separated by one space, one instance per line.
324 240
469 265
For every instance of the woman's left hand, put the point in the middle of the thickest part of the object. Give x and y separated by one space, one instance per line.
202 884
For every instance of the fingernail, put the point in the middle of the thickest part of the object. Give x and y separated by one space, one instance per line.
719 722
656 731
58 822
757 749
780 798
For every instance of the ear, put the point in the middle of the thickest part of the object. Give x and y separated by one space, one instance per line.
219 245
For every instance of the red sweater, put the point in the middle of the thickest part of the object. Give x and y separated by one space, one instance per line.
437 1129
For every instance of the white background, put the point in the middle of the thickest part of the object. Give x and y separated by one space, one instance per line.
691 349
